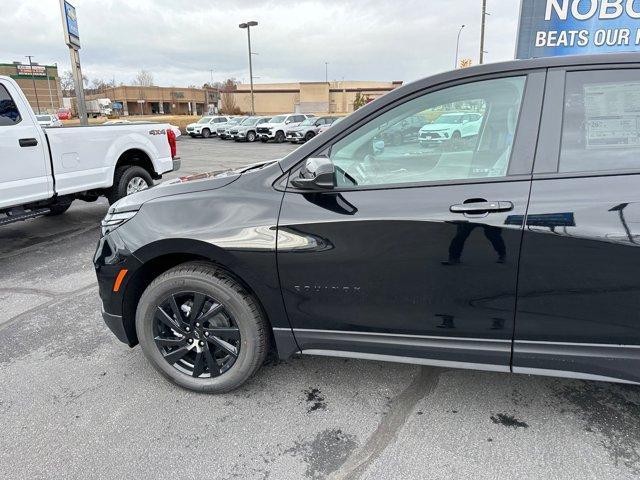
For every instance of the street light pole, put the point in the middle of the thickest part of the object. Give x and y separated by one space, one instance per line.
482 28
455 65
326 72
248 26
33 79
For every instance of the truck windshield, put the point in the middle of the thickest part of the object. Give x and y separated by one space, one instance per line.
250 122
278 119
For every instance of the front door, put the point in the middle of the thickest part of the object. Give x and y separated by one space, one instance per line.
23 156
414 255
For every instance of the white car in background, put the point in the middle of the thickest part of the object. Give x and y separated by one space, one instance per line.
206 126
48 121
276 128
450 126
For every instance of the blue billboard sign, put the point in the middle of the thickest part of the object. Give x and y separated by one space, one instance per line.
551 28
71 23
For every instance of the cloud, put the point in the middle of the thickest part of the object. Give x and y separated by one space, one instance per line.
180 41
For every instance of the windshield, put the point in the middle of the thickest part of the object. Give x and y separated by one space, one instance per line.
250 121
236 121
278 119
43 118
308 121
449 119
204 120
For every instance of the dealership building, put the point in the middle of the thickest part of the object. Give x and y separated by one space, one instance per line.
136 100
309 97
271 98
47 93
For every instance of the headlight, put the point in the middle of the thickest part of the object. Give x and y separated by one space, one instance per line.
114 220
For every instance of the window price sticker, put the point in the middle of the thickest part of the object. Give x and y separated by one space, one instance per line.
612 115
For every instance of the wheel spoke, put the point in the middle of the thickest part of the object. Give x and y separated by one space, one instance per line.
212 365
176 355
196 308
215 309
227 347
198 365
226 333
176 310
170 342
168 320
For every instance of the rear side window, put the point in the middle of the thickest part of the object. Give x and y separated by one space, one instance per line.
9 113
601 122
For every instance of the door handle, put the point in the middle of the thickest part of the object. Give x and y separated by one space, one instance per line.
482 207
28 142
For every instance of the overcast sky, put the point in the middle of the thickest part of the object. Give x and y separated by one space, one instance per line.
181 41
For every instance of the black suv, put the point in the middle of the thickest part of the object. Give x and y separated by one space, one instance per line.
516 251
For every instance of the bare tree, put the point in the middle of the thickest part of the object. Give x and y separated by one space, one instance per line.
67 84
227 96
144 79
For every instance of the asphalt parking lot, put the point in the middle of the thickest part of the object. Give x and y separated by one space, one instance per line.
76 403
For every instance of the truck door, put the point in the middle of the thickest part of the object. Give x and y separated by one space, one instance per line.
26 175
578 309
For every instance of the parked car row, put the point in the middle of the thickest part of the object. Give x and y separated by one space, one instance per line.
300 128
295 128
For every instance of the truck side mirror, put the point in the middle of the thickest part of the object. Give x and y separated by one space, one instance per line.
316 174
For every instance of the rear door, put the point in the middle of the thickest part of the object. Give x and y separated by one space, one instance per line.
24 158
413 255
579 286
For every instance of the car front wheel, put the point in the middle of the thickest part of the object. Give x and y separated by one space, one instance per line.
280 138
200 329
251 137
206 133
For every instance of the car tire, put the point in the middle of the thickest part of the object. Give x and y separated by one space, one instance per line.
206 133
125 178
280 137
456 136
251 137
215 284
309 136
58 209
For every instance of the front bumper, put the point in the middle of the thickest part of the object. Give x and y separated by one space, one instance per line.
116 325
111 257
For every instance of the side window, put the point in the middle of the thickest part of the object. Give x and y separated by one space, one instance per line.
9 113
392 150
601 121
299 118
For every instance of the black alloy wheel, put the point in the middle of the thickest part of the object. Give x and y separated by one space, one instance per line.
196 334
280 138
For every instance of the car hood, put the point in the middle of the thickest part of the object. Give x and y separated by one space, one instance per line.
436 127
186 184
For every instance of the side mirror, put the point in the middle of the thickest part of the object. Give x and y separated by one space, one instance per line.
316 174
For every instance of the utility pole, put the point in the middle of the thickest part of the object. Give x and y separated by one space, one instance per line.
33 79
248 26
455 65
326 72
482 29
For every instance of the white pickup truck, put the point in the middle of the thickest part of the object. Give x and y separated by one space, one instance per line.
43 170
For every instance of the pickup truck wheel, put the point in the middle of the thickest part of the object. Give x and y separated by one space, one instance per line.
58 209
280 138
127 180
251 136
200 329
206 133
